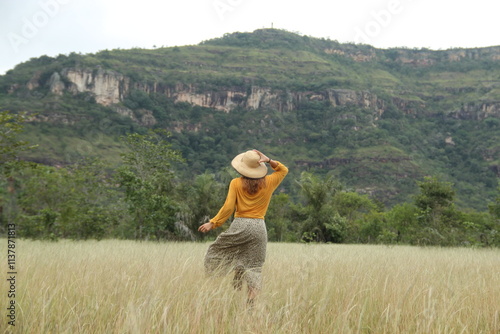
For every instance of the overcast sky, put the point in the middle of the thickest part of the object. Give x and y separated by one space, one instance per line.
31 28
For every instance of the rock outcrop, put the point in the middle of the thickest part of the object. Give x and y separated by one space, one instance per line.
56 85
110 88
477 110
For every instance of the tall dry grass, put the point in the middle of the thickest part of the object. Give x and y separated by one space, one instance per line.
143 287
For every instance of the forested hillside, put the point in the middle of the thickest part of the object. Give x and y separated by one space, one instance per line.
376 121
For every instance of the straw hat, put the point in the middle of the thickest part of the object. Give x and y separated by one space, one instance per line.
247 164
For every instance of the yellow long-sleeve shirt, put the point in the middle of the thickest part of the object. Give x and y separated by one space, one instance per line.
246 205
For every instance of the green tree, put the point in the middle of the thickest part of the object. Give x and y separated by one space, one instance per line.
402 224
495 206
77 202
352 205
99 207
43 196
202 198
493 232
438 219
11 125
480 229
321 221
359 212
434 195
278 219
147 179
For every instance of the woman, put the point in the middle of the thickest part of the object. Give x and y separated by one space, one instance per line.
243 246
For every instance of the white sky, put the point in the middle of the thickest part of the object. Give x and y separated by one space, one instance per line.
31 28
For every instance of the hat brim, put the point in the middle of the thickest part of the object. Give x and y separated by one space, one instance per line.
252 173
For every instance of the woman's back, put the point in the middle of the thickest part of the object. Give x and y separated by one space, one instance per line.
250 205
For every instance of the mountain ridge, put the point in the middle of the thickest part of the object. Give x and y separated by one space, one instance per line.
354 102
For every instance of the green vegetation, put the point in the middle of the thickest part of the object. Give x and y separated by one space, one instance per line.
145 199
399 117
11 125
147 180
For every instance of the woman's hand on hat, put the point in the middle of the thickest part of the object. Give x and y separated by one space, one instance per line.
263 157
206 227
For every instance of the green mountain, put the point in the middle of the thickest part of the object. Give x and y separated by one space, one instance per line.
377 119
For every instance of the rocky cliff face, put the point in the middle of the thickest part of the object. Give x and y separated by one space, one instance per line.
107 86
478 110
110 88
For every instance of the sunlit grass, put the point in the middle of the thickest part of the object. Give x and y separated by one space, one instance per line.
132 287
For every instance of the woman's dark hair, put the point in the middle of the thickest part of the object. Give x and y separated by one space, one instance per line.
252 186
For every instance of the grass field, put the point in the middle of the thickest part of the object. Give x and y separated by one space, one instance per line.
116 286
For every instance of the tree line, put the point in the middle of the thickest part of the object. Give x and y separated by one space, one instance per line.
152 196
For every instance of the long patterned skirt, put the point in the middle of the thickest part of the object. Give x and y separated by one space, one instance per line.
241 248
